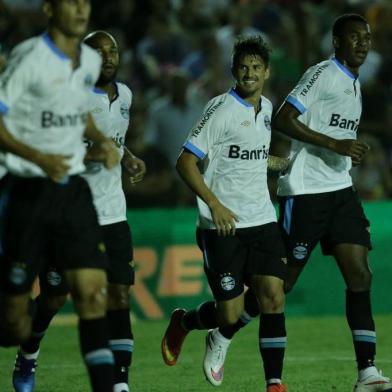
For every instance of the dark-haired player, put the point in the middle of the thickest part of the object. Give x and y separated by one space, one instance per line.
237 229
109 104
318 202
46 206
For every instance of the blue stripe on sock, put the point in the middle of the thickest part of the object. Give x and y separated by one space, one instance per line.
364 338
121 347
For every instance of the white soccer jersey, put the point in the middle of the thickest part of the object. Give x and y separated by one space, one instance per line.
233 145
329 98
112 119
45 101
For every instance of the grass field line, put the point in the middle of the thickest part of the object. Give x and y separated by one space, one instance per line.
289 358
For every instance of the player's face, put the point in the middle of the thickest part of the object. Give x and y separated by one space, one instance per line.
353 46
71 17
108 50
250 74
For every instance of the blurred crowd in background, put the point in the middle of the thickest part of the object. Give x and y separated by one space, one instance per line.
175 56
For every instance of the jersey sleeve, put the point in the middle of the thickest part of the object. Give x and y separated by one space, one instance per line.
311 88
208 131
17 77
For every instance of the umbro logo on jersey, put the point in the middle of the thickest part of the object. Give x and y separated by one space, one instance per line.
237 153
338 121
348 91
97 110
245 123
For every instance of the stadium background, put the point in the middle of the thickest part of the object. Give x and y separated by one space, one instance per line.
175 56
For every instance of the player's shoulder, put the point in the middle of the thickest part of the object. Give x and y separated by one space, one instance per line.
218 105
124 91
320 69
26 49
90 54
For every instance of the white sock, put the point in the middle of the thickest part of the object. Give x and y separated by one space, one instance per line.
220 338
121 387
29 355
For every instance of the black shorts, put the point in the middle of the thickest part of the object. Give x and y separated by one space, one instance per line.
332 218
121 269
42 220
230 261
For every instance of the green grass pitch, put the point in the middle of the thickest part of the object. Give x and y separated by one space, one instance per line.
319 358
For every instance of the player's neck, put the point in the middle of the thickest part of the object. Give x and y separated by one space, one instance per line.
353 70
70 46
253 99
110 89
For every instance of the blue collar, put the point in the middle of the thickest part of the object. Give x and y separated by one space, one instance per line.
53 47
343 68
97 90
239 99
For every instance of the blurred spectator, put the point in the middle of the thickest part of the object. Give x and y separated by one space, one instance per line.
158 187
240 23
172 116
373 178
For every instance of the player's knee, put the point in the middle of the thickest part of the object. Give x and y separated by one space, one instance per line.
118 297
90 301
360 280
16 331
272 301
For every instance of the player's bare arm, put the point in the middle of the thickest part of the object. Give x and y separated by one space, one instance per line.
103 149
223 218
277 163
54 165
135 166
286 121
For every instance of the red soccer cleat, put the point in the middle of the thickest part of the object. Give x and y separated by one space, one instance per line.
277 388
173 338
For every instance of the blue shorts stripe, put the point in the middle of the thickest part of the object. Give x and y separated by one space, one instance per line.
288 212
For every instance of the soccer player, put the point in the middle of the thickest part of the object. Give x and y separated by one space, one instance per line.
46 206
110 104
318 202
237 229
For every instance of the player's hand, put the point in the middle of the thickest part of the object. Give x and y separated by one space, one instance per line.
105 152
355 149
135 167
223 218
55 166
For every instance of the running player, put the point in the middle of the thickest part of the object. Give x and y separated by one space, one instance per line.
318 202
46 206
237 229
110 104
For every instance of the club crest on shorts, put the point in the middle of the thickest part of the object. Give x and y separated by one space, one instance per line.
18 274
300 251
53 278
227 282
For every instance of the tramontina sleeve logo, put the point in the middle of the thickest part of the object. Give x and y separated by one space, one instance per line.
207 115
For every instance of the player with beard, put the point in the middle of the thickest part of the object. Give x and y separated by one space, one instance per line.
224 161
317 200
110 104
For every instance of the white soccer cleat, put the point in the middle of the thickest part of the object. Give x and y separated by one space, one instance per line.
214 357
372 380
